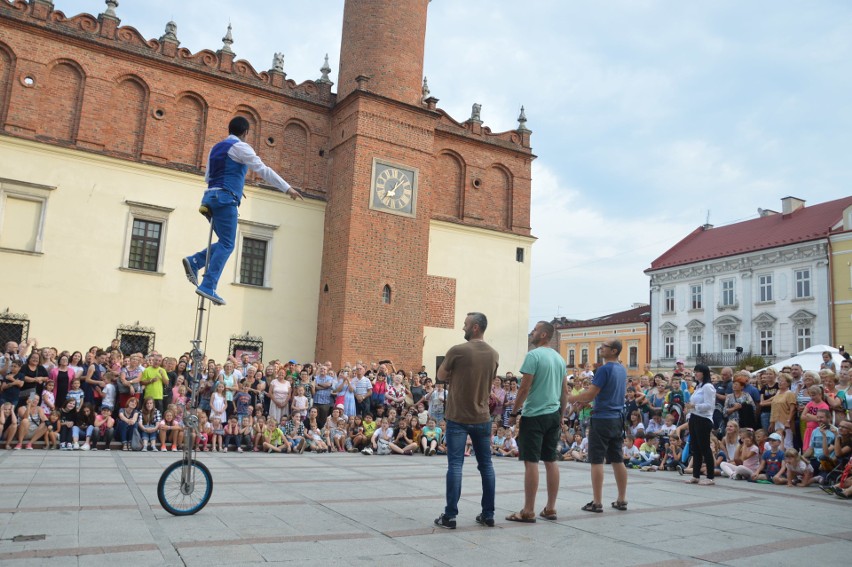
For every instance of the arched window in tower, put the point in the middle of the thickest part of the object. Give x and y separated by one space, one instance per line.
386 295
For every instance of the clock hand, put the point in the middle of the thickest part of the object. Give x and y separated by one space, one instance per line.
392 192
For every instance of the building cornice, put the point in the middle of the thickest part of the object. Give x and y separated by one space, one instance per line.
743 264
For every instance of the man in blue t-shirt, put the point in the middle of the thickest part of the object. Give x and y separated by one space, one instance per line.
606 433
227 165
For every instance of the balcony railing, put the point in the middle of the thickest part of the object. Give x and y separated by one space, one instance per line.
729 358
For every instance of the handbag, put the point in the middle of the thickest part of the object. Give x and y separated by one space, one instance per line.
136 440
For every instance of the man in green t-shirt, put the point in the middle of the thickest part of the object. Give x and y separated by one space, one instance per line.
153 378
541 403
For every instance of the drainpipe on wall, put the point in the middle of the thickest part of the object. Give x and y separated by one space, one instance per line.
831 319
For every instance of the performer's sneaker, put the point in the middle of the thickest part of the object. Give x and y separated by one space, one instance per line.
210 294
191 271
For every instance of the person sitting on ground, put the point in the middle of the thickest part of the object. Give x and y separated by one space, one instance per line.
232 433
382 438
746 459
273 439
294 433
149 425
430 438
628 452
104 428
772 459
205 432
674 453
171 429
649 455
509 448
795 471
579 449
497 440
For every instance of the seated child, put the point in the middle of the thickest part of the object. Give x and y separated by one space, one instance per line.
795 470
497 440
629 450
509 448
648 454
257 431
232 432
579 448
747 454
674 453
430 437
273 439
772 459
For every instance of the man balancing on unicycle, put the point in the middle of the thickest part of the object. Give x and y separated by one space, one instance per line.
227 165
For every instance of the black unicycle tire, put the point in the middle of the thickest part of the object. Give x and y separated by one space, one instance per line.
170 487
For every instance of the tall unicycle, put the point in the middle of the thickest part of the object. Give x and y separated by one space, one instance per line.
186 485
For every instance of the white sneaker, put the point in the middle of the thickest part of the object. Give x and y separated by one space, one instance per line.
163 449
86 447
75 447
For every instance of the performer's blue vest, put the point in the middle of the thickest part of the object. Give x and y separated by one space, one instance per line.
224 172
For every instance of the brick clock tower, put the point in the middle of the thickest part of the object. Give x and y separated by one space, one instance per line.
376 241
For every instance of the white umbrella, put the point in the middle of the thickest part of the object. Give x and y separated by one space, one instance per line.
809 359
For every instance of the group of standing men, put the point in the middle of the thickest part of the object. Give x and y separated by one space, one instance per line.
469 369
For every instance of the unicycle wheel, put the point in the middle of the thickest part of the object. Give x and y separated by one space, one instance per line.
184 499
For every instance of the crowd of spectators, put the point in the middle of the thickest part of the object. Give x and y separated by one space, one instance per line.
789 428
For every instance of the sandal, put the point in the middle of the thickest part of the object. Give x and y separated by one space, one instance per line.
518 517
548 514
619 505
839 492
828 489
592 507
707 482
692 480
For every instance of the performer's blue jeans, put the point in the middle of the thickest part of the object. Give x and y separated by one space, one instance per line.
456 437
223 213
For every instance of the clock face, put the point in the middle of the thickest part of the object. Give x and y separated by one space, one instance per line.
394 188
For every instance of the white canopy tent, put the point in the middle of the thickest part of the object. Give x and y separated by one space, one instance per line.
809 359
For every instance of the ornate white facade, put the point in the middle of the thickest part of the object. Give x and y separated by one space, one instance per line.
772 302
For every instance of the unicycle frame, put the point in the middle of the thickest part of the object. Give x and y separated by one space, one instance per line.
190 419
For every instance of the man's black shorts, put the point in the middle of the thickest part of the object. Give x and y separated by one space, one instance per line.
605 441
538 437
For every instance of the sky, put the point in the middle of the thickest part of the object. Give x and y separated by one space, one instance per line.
647 116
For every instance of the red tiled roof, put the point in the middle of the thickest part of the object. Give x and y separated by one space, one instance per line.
640 314
802 225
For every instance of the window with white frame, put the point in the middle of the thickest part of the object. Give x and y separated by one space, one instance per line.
584 356
764 287
668 346
23 209
571 358
728 295
695 294
766 336
669 300
695 340
145 239
729 341
803 338
803 283
254 253
633 357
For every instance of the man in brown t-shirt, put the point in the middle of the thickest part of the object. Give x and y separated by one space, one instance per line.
468 370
